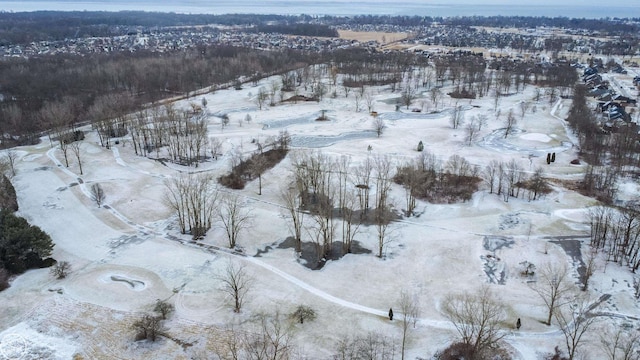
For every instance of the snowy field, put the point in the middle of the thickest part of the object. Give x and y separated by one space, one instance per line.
125 255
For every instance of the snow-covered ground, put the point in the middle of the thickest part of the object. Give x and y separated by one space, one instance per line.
439 252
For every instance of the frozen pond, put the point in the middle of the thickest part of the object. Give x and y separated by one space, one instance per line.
318 141
400 115
305 119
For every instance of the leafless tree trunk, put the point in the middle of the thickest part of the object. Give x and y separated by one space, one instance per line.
410 309
621 344
457 117
193 198
97 194
436 96
363 184
258 166
524 106
236 283
372 346
408 95
262 97
378 126
75 148
491 174
235 218
350 225
382 211
148 327
589 267
11 157
472 131
356 100
509 124
292 203
477 318
368 99
574 322
553 287
215 147
271 340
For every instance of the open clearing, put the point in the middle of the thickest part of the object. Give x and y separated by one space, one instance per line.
126 254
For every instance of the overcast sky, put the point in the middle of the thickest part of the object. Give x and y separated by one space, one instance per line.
568 8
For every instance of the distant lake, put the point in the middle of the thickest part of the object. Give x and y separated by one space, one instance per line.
336 7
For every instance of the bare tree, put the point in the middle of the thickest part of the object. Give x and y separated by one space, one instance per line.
379 126
235 218
236 283
491 174
435 94
193 198
472 131
368 99
589 268
457 117
61 269
553 287
574 322
408 95
481 121
215 147
382 215
410 309
97 194
163 307
270 338
363 183
259 165
524 106
621 344
75 148
5 168
292 203
148 327
11 157
371 346
274 88
350 225
262 97
477 318
509 123
303 313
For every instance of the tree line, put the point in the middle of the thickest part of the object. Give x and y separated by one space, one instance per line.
83 84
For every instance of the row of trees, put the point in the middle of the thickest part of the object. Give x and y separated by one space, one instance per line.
616 232
197 202
183 134
325 188
86 86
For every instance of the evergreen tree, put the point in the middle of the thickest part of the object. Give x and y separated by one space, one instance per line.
22 246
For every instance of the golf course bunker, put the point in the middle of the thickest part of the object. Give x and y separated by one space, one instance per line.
536 137
133 284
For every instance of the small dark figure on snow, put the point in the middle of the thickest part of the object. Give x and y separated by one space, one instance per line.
553 157
518 324
390 314
548 158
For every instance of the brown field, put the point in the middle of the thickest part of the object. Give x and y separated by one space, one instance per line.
381 37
